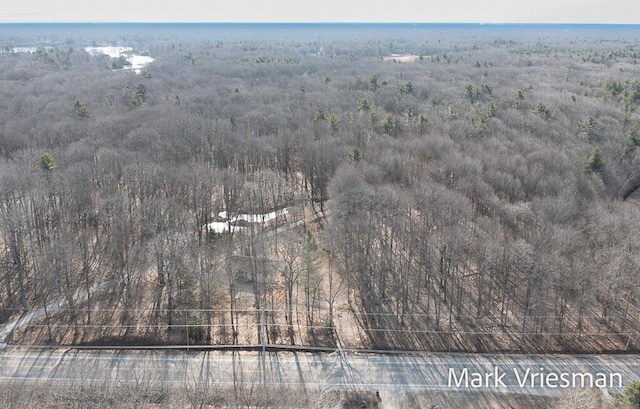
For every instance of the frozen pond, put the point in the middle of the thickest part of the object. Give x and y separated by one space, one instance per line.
137 61
111 51
221 227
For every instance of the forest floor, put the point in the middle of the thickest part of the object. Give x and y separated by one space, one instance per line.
108 324
111 327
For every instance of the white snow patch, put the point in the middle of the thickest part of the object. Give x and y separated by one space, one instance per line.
221 227
113 52
255 218
137 61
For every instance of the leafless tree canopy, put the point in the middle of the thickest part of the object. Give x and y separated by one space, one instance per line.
431 188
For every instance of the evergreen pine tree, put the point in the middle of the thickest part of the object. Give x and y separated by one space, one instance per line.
595 162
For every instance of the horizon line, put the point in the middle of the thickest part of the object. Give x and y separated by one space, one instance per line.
479 23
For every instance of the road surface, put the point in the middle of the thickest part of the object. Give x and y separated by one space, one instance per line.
396 377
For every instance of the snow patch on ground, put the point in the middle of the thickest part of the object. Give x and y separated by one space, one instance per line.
401 57
113 52
137 61
221 227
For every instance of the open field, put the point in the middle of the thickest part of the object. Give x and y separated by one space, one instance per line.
401 58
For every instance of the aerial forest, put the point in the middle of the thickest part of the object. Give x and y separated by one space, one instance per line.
430 188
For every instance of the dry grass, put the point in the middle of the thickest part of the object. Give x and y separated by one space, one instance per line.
473 400
17 395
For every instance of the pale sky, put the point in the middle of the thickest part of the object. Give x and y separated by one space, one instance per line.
414 11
